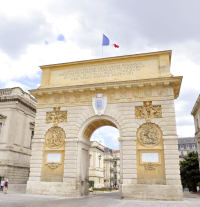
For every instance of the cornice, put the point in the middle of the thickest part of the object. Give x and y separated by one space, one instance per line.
196 106
117 58
175 82
19 99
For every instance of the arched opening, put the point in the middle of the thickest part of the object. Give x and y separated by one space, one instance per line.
95 125
104 161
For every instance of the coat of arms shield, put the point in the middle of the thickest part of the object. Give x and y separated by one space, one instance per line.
99 104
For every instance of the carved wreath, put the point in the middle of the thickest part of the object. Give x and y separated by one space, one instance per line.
149 134
55 137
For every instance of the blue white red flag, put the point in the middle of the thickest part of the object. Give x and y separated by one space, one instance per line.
107 42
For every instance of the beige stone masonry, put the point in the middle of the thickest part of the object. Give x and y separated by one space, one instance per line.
150 81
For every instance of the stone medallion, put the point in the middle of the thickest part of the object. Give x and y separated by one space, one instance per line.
149 134
55 137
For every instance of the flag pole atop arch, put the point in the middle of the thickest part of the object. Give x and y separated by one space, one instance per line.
107 42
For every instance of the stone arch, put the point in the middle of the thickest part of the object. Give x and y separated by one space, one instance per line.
96 122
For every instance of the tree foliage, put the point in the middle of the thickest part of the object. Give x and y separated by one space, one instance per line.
189 168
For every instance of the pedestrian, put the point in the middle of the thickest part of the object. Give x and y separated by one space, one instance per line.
197 189
2 184
5 189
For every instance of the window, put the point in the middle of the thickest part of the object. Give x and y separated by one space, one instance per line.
0 128
188 147
32 135
193 146
99 161
99 180
115 176
181 146
182 154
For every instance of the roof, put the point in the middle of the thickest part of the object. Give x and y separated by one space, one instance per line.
187 140
116 151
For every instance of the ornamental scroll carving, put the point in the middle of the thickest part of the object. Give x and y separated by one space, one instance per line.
55 137
148 111
53 165
150 166
56 116
149 134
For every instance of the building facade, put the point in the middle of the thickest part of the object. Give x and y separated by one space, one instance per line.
186 145
108 168
96 164
196 115
17 117
116 172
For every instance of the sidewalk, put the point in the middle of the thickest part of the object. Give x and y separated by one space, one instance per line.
15 199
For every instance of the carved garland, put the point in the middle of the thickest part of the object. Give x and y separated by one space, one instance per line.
53 165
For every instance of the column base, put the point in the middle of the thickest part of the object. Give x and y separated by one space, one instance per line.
66 189
151 192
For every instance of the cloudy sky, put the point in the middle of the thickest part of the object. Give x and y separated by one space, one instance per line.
40 32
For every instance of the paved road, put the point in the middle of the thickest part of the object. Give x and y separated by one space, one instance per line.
108 200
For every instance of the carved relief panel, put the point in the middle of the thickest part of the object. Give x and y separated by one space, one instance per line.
55 137
148 111
53 155
150 155
149 134
56 116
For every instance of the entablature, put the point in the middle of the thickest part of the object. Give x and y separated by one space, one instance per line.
135 85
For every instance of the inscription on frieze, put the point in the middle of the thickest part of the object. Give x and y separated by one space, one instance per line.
102 71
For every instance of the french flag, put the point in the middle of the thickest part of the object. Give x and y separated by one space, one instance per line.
107 42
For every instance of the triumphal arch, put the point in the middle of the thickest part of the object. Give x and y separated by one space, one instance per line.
133 93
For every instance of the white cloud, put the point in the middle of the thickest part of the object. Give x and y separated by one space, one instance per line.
138 27
185 131
108 136
11 84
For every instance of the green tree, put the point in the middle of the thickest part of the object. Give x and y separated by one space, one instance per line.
189 168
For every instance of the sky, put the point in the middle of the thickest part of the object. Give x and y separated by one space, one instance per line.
42 32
